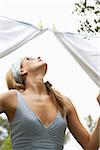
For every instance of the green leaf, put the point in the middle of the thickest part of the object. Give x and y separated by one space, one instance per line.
6 144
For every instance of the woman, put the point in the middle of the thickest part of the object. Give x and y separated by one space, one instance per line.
38 114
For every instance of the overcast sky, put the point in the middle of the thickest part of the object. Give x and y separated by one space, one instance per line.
63 71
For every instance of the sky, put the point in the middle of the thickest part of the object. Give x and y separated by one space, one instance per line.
63 71
34 11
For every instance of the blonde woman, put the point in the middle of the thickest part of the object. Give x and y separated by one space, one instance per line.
38 114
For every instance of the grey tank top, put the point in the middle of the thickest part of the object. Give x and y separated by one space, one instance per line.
29 133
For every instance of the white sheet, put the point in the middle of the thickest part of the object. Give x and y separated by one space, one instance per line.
84 53
14 34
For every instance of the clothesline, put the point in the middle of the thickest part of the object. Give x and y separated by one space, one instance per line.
14 34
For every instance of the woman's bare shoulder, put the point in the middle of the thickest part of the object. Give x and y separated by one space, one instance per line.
70 105
6 99
8 94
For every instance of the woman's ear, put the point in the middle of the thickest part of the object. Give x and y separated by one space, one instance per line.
23 71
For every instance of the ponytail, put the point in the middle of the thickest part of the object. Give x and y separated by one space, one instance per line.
58 99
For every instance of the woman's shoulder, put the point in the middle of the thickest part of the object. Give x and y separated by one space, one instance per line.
69 104
7 99
8 94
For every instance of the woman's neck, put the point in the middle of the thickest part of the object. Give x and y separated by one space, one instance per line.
36 85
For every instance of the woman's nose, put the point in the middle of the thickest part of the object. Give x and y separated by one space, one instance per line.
38 57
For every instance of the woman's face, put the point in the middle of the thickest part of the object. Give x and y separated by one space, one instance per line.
34 65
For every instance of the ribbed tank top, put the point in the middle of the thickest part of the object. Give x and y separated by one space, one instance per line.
29 133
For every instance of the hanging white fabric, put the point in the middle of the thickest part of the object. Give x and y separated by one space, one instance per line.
83 52
14 34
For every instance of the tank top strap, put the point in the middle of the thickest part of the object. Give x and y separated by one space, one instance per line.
20 99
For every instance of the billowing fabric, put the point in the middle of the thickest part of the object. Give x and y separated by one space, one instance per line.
29 133
14 34
83 52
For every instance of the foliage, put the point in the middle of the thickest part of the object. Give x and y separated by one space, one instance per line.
6 144
90 123
4 124
88 13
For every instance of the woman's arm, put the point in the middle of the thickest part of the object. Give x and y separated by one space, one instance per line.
2 99
94 138
87 141
93 143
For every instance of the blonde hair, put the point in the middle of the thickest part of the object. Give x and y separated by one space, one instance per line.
60 101
58 98
11 83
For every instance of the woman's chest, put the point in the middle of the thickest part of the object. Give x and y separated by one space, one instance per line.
43 107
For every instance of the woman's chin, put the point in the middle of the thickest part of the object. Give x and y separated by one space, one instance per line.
46 67
43 67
